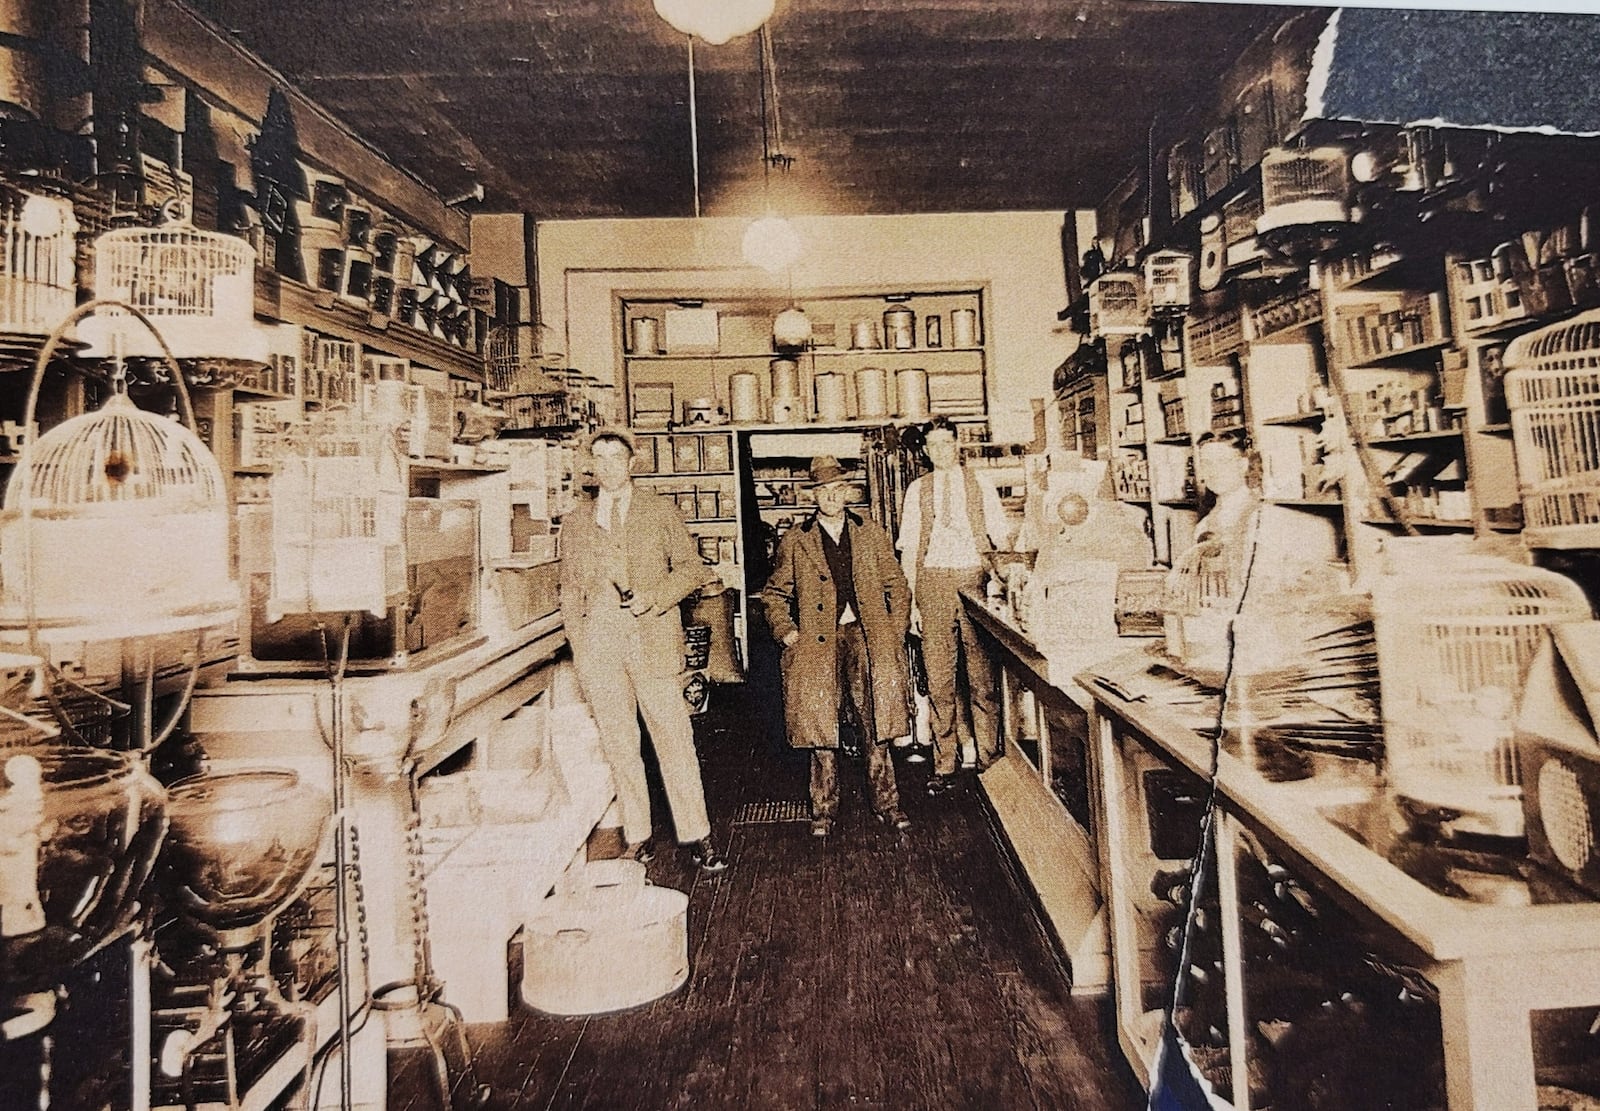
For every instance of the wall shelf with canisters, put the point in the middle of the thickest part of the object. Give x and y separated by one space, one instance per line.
695 470
869 356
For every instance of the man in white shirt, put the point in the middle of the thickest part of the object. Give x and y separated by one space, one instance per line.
948 529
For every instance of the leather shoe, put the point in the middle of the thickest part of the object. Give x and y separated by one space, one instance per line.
821 827
941 784
705 854
896 818
642 851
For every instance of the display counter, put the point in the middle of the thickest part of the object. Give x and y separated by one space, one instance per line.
1040 787
398 726
1470 964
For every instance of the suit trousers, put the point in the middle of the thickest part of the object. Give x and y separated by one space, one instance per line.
620 685
855 684
949 648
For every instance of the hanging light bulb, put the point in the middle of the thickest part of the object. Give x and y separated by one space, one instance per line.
772 244
715 21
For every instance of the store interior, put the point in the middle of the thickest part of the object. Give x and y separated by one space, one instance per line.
1273 331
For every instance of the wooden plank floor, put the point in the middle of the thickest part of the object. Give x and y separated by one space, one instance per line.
870 969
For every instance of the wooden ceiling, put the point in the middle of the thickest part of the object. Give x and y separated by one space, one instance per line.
580 108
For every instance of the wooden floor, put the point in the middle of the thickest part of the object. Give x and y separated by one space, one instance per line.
866 970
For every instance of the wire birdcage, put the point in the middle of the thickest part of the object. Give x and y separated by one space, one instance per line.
197 286
1553 393
38 261
1309 185
502 359
115 525
1456 631
338 519
1117 305
1169 279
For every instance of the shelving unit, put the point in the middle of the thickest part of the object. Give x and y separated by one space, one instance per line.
716 350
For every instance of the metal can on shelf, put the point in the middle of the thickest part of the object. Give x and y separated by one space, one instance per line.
744 397
964 328
872 392
831 397
900 328
911 386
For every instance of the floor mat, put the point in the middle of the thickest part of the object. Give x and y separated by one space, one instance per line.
765 813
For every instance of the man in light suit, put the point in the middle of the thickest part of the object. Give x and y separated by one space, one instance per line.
627 561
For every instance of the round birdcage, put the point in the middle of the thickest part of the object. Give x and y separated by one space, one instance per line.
115 524
197 286
1553 393
1456 631
38 261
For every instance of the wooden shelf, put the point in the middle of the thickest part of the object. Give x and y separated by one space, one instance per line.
1419 522
283 299
1415 438
1176 441
1402 273
1178 503
809 353
1307 503
1134 501
1403 355
1494 429
264 468
685 474
1298 420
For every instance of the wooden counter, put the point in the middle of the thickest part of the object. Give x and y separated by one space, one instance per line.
1493 963
1044 763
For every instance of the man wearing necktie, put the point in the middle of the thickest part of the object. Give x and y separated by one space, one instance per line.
838 603
627 561
947 545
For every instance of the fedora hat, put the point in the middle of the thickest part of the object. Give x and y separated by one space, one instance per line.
612 432
826 469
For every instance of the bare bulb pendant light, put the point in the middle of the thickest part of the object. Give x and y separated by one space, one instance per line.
715 21
771 242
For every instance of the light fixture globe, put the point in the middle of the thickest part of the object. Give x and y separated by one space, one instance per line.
791 328
715 21
772 244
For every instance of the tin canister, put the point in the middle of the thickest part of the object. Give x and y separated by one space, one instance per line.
831 397
899 328
785 378
911 384
864 335
872 392
744 397
964 328
645 335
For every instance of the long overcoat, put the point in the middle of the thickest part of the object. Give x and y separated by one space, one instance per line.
800 596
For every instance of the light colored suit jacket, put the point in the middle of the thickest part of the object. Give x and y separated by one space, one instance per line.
664 566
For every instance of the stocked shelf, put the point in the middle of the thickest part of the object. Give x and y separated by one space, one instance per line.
1402 355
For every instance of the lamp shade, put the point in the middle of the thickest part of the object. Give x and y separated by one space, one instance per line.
772 244
715 21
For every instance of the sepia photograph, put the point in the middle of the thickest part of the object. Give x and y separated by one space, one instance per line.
799 555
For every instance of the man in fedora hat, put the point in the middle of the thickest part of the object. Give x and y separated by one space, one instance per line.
839 604
627 561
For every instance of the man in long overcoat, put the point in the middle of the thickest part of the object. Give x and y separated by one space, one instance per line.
838 602
627 561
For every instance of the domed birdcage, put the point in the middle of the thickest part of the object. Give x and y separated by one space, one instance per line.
1456 631
197 286
115 524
